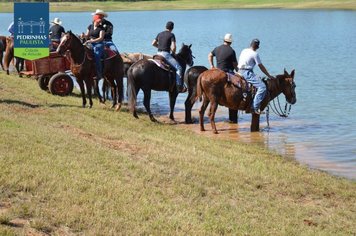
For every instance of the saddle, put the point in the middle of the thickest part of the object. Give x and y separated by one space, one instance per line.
237 80
107 55
161 62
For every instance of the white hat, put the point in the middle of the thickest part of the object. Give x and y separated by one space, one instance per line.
57 21
99 12
228 38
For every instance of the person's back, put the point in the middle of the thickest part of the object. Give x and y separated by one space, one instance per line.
56 32
108 28
165 39
225 57
247 61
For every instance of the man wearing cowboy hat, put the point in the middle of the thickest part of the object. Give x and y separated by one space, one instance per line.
108 28
225 61
56 30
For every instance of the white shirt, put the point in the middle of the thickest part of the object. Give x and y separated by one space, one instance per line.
248 59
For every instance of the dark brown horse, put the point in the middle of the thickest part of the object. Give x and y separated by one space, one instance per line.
9 56
190 79
212 86
83 68
146 75
2 49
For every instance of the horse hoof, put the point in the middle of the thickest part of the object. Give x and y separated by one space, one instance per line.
216 132
118 107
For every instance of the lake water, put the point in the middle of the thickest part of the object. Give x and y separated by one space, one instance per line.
319 45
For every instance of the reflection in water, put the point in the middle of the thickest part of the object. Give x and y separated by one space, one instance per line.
275 137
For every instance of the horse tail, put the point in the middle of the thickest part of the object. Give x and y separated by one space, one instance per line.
131 88
199 89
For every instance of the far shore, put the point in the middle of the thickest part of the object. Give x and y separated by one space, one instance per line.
189 5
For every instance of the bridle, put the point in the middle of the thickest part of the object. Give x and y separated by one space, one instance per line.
277 108
66 48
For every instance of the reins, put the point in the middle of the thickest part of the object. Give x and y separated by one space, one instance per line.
277 109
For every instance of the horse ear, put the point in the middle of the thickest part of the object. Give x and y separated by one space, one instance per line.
285 72
292 73
190 46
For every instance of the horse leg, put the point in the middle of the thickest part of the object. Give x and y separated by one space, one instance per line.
82 91
213 107
114 94
103 89
18 69
203 107
188 107
120 92
96 88
255 122
134 111
172 102
89 86
146 103
1 57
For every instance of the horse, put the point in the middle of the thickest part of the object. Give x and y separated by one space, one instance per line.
9 56
212 86
146 75
131 58
83 68
2 49
190 79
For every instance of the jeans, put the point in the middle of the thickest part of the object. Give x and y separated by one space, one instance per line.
258 83
98 54
175 64
111 45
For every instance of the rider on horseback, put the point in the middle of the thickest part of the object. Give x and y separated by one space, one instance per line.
227 62
108 28
55 33
165 41
96 33
247 61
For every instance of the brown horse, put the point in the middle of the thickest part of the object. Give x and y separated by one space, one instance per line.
2 49
9 56
213 87
83 68
146 75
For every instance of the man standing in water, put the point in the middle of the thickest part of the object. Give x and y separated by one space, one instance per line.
166 44
249 57
225 61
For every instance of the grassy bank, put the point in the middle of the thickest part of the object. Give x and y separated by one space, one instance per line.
65 170
197 4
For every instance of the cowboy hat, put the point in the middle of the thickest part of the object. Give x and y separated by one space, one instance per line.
57 21
228 38
99 12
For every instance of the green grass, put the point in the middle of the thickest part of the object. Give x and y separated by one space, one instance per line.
196 4
66 169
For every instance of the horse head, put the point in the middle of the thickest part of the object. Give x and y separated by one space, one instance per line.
288 86
67 42
186 54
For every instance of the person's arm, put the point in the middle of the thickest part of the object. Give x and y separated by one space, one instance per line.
264 70
173 47
234 64
99 39
211 60
155 43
